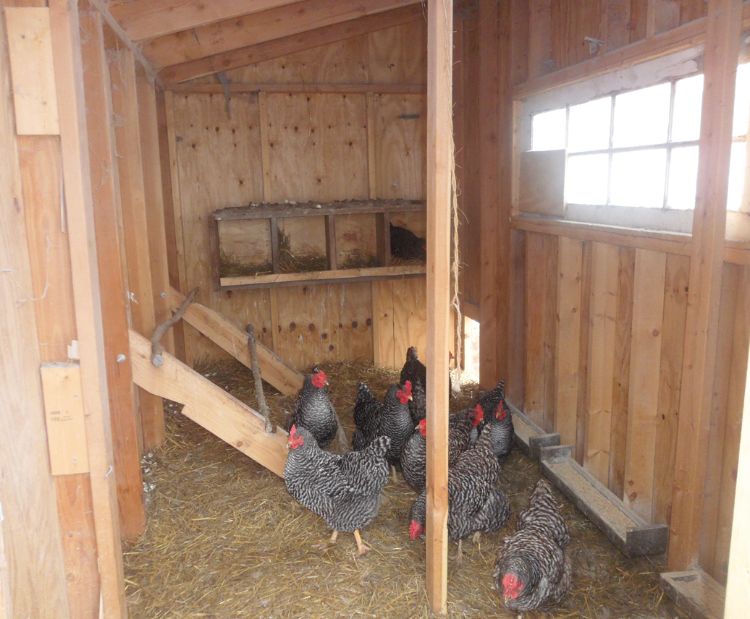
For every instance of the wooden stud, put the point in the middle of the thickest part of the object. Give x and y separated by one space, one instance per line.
30 49
724 24
331 242
601 359
113 277
66 48
135 223
570 254
32 572
214 256
288 45
178 274
648 313
260 27
439 161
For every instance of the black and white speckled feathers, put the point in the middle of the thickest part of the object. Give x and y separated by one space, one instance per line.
314 410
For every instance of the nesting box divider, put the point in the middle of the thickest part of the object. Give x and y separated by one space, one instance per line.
331 242
274 224
383 233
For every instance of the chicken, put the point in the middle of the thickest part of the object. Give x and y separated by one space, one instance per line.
415 372
407 245
475 503
314 409
498 416
414 453
390 419
345 489
532 568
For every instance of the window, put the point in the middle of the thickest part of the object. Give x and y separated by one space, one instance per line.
640 148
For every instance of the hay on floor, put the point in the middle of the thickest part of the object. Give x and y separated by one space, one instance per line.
224 539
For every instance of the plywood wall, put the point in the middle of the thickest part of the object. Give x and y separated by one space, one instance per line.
277 146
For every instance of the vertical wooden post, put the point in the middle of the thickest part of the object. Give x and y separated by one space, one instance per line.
113 279
724 24
439 161
738 573
66 45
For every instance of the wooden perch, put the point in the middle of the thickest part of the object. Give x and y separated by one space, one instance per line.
260 396
157 350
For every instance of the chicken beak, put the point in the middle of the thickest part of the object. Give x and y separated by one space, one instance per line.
505 599
411 398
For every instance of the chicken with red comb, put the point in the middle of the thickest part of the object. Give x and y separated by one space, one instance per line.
314 410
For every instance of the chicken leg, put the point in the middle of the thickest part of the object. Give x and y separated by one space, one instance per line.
394 474
334 536
460 553
362 548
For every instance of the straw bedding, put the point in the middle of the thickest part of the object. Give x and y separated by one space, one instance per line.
224 539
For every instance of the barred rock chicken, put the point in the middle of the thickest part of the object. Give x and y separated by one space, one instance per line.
344 490
499 417
475 504
414 453
314 409
415 372
532 569
391 419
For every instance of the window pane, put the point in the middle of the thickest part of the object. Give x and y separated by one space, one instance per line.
642 116
741 100
638 178
586 179
588 125
683 174
548 130
736 176
686 116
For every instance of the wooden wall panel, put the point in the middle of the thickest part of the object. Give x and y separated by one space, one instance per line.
398 55
317 145
645 362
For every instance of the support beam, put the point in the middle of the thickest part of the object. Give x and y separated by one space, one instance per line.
147 19
113 278
66 46
276 48
709 222
439 159
259 28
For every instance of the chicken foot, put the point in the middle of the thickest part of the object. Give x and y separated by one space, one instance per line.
394 474
362 548
334 537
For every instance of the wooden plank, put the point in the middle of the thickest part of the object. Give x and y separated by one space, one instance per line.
32 572
618 21
384 350
209 406
570 254
724 23
334 88
550 331
66 48
584 347
542 182
737 593
535 296
277 48
331 250
621 378
668 242
673 337
318 208
601 359
147 19
154 199
135 224
540 38
34 96
177 262
322 277
517 341
689 35
260 27
63 407
696 592
439 161
492 331
661 15
126 430
648 315
398 55
231 338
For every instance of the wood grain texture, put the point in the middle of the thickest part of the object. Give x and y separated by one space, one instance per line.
113 277
33 573
601 359
645 363
30 49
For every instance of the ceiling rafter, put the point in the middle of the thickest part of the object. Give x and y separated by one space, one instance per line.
148 19
288 45
261 27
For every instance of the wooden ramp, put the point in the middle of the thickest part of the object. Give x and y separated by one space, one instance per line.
622 526
209 405
225 334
